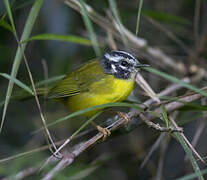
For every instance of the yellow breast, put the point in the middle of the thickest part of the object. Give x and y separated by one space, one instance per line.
107 90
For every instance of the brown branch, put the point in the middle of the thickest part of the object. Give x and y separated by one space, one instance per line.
81 147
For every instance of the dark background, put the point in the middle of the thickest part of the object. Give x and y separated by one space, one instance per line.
119 157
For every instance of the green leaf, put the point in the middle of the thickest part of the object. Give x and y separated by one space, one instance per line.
17 82
20 50
8 9
189 154
85 124
83 111
139 15
192 176
5 25
89 27
193 107
164 115
60 37
176 80
113 8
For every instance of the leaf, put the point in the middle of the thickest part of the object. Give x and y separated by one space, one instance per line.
17 82
139 15
20 50
165 116
8 9
89 27
83 111
176 80
189 154
5 25
114 10
60 37
192 176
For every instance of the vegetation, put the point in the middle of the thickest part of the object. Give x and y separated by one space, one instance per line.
160 135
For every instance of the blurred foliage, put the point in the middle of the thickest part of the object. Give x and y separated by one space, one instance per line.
121 156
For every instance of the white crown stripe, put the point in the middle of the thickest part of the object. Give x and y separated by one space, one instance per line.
123 52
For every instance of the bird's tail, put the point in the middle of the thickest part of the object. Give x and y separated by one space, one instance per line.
24 95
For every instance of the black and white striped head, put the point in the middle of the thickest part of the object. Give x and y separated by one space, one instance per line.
120 64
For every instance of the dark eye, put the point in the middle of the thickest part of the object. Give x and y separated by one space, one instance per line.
124 63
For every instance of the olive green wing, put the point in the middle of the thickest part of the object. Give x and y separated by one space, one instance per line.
78 81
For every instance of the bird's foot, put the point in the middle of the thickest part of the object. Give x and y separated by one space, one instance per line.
104 131
124 116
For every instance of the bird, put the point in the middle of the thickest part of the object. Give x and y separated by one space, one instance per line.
107 79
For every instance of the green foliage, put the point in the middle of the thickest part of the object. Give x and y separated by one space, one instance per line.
177 81
90 29
20 50
56 23
59 37
5 25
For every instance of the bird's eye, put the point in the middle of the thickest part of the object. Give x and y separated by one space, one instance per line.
124 63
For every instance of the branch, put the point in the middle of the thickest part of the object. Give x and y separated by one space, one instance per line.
137 42
81 147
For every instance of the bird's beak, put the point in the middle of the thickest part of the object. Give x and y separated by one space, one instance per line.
142 65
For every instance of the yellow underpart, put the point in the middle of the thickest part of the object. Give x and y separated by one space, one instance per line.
107 90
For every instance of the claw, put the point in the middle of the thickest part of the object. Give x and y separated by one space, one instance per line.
104 131
124 116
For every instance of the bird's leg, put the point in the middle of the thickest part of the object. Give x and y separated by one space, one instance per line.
102 130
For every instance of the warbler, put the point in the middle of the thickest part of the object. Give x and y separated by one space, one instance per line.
105 80
109 79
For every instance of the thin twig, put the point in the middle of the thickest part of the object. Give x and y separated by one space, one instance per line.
117 124
48 136
137 42
186 140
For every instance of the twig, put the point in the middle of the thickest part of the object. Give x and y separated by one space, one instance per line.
146 87
47 133
186 140
140 43
117 124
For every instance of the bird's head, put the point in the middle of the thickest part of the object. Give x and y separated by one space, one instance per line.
120 64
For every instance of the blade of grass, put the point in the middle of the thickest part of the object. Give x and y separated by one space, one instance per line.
188 148
5 25
189 155
25 35
17 82
89 27
80 112
39 84
60 37
164 115
76 132
113 8
138 16
192 176
176 80
8 10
